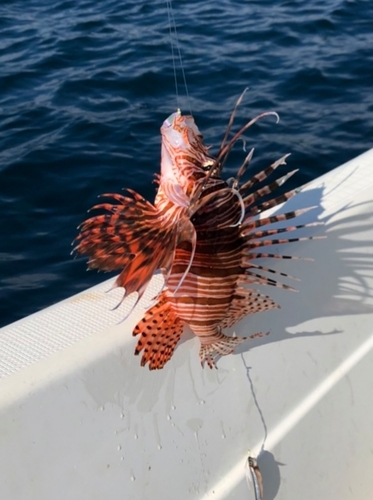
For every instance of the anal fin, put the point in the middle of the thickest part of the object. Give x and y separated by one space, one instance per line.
246 301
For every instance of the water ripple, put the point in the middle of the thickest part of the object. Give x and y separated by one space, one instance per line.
85 86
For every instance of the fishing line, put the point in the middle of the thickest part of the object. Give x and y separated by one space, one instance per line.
248 368
175 39
169 10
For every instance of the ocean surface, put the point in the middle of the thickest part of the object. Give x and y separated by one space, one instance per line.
86 84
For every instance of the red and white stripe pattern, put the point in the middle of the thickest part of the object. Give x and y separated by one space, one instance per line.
218 289
203 233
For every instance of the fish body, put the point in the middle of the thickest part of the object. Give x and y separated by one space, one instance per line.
202 233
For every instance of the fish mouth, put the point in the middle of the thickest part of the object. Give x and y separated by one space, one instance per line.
170 120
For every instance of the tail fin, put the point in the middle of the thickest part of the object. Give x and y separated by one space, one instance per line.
160 331
221 345
133 237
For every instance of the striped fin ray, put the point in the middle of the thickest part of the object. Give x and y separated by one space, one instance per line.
226 149
252 198
270 232
246 301
277 256
132 237
251 278
220 345
261 176
251 224
275 201
264 243
160 331
107 238
248 264
243 169
231 120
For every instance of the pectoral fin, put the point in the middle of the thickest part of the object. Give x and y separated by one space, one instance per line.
132 237
160 331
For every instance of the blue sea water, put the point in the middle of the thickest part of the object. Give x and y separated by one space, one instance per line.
86 84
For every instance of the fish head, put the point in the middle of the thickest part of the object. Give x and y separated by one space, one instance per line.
180 131
183 154
184 160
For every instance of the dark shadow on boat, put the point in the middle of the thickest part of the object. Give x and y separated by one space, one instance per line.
271 475
333 284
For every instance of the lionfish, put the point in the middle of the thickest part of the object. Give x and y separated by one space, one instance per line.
203 233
